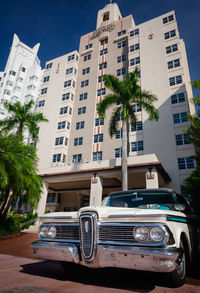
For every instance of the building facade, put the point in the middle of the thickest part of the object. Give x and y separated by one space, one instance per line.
79 162
21 78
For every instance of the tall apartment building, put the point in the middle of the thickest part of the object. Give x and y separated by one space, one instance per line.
21 78
79 162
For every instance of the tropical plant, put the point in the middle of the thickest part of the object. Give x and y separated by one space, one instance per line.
192 183
124 95
18 167
21 118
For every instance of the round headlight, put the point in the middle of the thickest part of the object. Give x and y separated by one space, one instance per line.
52 232
43 232
157 234
140 233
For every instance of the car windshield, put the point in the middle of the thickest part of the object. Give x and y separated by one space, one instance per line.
141 199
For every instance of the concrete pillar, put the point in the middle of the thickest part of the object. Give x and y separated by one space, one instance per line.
151 178
43 199
96 189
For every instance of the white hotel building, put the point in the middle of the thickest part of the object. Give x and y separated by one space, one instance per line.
79 162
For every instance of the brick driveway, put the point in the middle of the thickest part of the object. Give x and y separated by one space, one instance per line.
20 272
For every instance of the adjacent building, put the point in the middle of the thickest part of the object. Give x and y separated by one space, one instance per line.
21 78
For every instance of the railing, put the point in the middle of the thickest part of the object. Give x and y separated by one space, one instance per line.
28 222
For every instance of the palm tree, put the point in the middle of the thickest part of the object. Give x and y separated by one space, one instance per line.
18 167
22 118
124 95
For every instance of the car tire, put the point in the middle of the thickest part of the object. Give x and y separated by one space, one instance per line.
179 274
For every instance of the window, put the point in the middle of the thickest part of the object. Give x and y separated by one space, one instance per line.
41 103
137 146
65 96
103 42
49 65
136 126
56 158
121 58
134 32
71 57
134 47
170 34
103 52
98 138
46 78
101 92
83 96
78 141
86 70
119 134
88 46
61 125
77 158
121 33
121 44
85 83
99 122
168 18
97 156
63 110
185 163
178 98
51 197
69 71
121 71
182 139
33 77
180 118
59 140
118 153
80 125
137 108
175 80
87 57
67 83
103 66
12 72
23 69
106 16
134 61
7 92
43 91
100 78
81 110
172 48
173 64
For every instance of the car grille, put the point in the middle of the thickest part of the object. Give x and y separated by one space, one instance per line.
116 233
87 228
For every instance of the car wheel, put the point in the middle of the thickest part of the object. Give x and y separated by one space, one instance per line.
179 274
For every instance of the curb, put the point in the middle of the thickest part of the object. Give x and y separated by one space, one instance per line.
10 236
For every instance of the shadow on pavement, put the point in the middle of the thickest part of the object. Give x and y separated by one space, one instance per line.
111 278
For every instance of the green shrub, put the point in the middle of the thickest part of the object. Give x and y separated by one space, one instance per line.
10 225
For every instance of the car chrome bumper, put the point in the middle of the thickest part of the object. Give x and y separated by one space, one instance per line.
138 258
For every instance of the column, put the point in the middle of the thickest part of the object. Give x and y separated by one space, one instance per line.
43 199
96 189
151 178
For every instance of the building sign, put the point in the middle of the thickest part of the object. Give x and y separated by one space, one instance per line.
106 28
150 174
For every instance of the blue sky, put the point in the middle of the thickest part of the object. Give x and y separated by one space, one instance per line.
58 24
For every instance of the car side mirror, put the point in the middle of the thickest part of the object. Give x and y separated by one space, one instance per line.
179 207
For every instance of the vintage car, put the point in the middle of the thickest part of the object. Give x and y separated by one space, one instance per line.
144 229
